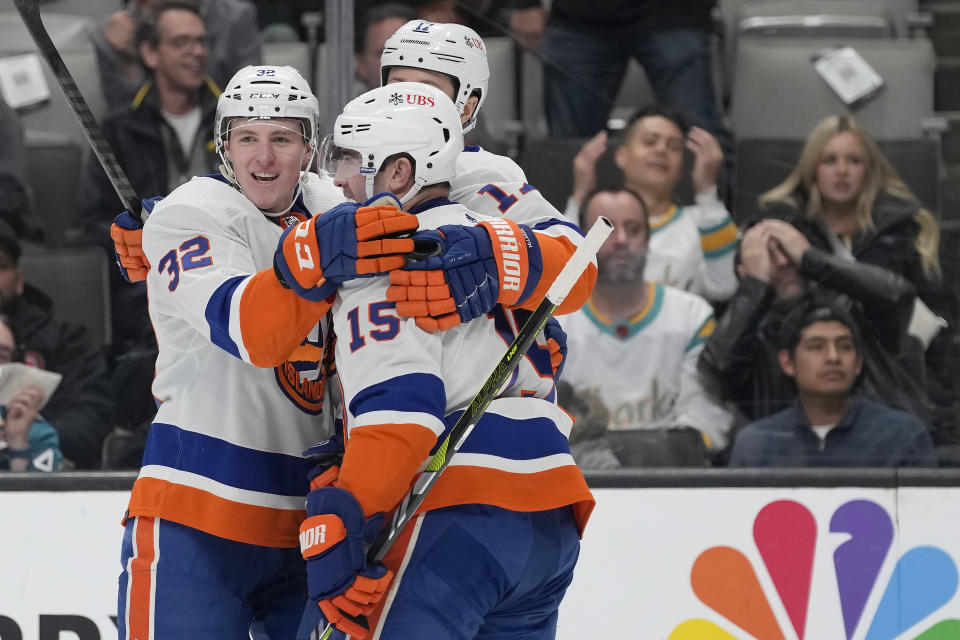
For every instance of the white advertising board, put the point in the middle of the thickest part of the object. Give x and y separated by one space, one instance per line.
677 564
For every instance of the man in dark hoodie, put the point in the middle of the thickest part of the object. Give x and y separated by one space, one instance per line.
80 409
163 137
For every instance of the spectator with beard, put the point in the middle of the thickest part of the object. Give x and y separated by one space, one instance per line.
635 343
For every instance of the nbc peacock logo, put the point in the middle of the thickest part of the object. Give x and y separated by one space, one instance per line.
923 579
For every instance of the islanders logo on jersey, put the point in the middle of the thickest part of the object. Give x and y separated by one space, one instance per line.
903 606
303 377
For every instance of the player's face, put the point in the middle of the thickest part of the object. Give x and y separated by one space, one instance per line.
652 157
267 157
842 170
180 56
623 256
826 362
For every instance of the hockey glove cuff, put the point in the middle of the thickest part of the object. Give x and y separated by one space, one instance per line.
325 458
557 344
127 235
315 256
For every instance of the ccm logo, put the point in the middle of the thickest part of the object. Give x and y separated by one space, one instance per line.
420 100
304 256
313 536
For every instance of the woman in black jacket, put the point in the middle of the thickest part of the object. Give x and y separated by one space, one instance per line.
847 198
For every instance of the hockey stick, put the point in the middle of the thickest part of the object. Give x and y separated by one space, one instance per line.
471 415
30 13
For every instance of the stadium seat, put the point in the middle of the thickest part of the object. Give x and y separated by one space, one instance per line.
664 447
815 18
763 164
777 93
55 114
548 164
76 279
96 9
899 14
293 54
65 30
53 172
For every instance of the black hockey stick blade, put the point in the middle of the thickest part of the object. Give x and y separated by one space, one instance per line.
30 13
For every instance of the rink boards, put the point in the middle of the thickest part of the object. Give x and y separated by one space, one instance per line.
684 555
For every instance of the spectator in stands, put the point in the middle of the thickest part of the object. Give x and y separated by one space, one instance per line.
635 343
163 137
586 48
848 200
777 267
691 248
27 441
80 409
378 24
232 39
591 419
14 198
830 425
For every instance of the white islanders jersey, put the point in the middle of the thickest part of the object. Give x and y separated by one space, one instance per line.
644 369
224 454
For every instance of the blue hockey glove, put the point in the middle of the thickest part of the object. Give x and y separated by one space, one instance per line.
496 261
313 624
316 256
127 235
326 458
334 540
557 343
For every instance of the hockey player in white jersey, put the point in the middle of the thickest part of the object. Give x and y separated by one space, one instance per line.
494 548
210 546
453 58
636 342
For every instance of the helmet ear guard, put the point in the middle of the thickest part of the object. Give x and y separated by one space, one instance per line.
407 117
451 49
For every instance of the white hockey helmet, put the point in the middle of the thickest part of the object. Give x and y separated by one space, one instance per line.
263 93
452 49
404 117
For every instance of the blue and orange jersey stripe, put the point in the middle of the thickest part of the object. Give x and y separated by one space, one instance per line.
224 489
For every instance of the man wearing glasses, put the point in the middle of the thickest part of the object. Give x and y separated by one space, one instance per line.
233 37
161 139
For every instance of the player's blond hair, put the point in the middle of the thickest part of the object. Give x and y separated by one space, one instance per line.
800 187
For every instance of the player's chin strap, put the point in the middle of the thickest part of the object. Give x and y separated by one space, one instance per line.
370 191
